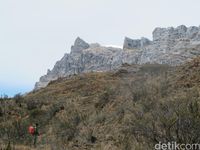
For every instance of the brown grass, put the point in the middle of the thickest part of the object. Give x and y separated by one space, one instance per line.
132 108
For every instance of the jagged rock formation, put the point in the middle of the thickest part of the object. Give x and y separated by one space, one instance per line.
135 44
79 45
171 46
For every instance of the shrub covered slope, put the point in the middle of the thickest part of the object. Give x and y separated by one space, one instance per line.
130 109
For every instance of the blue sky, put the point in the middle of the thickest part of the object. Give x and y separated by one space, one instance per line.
34 34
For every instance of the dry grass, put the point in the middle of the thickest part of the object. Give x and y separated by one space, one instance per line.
132 108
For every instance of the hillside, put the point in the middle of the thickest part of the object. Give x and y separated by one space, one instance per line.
134 107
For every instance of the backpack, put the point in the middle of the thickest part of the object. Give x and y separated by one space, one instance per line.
31 130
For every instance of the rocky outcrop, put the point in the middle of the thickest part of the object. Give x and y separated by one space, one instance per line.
79 45
171 46
135 44
181 32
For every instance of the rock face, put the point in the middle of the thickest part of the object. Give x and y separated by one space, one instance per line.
171 46
79 45
135 44
176 33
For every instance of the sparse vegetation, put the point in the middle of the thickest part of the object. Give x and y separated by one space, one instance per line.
121 110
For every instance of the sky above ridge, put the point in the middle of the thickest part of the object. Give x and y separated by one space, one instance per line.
34 34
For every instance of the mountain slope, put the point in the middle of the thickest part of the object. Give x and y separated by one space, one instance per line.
131 108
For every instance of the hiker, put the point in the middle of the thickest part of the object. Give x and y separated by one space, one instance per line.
33 130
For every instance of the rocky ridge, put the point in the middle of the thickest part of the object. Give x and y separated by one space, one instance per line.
172 46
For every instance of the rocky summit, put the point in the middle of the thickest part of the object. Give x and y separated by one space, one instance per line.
172 46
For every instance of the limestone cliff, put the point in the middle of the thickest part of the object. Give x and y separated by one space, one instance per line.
171 46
